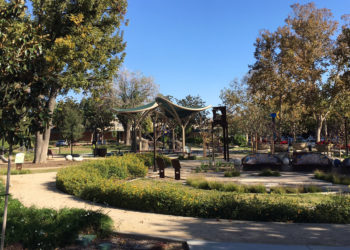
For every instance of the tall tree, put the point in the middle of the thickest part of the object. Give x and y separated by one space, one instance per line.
293 70
132 89
68 118
83 50
98 114
20 86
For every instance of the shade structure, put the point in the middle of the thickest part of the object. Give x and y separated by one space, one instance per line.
182 115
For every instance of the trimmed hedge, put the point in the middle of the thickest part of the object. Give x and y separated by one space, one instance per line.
176 199
334 178
147 159
37 228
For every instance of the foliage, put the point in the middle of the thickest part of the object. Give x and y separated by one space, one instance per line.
20 85
148 160
98 113
15 171
331 177
114 168
131 89
176 199
269 172
68 119
295 190
48 229
82 51
240 140
232 173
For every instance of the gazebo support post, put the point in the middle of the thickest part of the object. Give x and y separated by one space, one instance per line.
183 138
154 145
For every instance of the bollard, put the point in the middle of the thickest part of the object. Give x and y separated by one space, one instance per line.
161 167
177 167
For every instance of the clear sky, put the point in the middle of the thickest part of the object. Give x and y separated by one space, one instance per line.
198 47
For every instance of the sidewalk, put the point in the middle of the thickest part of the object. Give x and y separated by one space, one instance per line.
39 190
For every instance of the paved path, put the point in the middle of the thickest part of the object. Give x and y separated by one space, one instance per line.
39 190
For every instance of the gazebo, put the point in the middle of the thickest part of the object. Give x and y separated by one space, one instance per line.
182 115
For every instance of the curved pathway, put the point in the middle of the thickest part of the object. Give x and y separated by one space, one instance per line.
39 190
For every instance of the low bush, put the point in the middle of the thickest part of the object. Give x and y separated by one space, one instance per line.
181 157
192 157
269 172
174 198
148 160
50 229
232 173
258 189
15 171
334 178
96 171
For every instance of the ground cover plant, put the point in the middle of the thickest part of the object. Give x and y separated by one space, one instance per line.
269 172
47 228
15 171
232 173
148 160
331 177
202 183
175 198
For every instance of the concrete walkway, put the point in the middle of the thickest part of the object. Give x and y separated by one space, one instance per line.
39 190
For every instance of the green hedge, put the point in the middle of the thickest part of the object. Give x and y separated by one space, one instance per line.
176 199
334 178
147 159
49 229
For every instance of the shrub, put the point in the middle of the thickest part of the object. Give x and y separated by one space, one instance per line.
15 171
269 172
148 160
232 173
334 178
215 185
177 199
50 229
240 140
256 189
181 157
174 198
198 182
191 157
310 189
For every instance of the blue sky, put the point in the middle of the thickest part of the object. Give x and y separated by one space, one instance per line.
198 47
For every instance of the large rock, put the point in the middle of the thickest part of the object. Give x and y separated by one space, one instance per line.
311 161
260 161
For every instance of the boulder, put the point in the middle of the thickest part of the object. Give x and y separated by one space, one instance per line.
260 161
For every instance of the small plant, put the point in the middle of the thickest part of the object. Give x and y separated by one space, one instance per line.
181 157
216 185
232 173
334 178
191 157
269 172
310 189
256 189
15 171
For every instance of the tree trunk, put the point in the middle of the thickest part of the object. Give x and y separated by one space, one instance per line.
320 120
325 130
71 148
127 134
7 191
42 139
